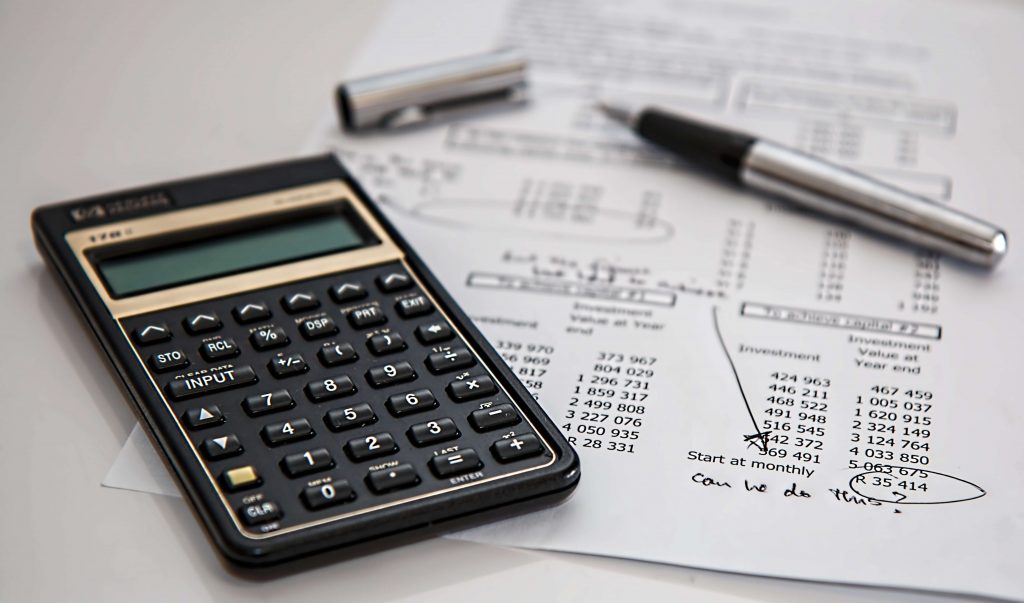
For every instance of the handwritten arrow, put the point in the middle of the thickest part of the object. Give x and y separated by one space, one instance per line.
758 438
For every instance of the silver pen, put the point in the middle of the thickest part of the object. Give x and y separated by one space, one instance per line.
816 184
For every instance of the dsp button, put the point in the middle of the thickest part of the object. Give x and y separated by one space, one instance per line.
328 495
198 385
202 323
495 417
455 463
471 388
411 307
396 281
251 312
392 478
450 360
519 447
259 513
219 349
315 328
152 333
168 361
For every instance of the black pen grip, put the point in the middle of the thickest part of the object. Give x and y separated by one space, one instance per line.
716 149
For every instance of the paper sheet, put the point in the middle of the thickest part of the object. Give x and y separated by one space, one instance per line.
750 388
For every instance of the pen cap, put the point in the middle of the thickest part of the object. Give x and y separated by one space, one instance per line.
428 92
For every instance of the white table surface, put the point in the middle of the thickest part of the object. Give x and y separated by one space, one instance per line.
99 96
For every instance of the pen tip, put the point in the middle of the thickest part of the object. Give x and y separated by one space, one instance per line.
616 111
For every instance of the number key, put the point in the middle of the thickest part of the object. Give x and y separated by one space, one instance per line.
307 462
276 434
371 446
390 374
432 432
327 495
261 404
410 402
330 388
350 417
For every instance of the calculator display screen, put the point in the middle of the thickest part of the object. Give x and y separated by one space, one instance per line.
229 253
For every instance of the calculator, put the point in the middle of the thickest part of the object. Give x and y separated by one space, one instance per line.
308 380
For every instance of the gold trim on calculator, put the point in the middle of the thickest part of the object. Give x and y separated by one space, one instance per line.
329 192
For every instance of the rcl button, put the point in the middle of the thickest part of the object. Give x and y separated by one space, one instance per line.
259 513
219 349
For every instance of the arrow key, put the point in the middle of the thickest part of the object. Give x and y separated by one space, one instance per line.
201 418
222 447
433 332
251 312
300 302
153 333
396 281
202 323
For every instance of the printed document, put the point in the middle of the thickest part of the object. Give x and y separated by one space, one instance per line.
751 388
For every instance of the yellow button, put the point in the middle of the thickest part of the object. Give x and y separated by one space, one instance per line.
241 477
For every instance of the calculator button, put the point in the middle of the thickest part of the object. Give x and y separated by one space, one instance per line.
450 360
390 374
276 434
219 349
339 353
393 478
198 385
222 447
455 463
433 332
471 388
486 419
162 362
327 495
304 463
385 343
240 478
315 328
519 447
370 316
207 416
287 365
411 402
411 307
261 404
202 323
350 417
258 513
300 302
251 312
432 432
346 292
396 281
269 338
330 388
371 446
154 333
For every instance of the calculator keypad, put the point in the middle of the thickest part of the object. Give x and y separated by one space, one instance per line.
353 391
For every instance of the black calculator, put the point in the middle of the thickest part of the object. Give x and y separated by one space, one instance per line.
309 381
